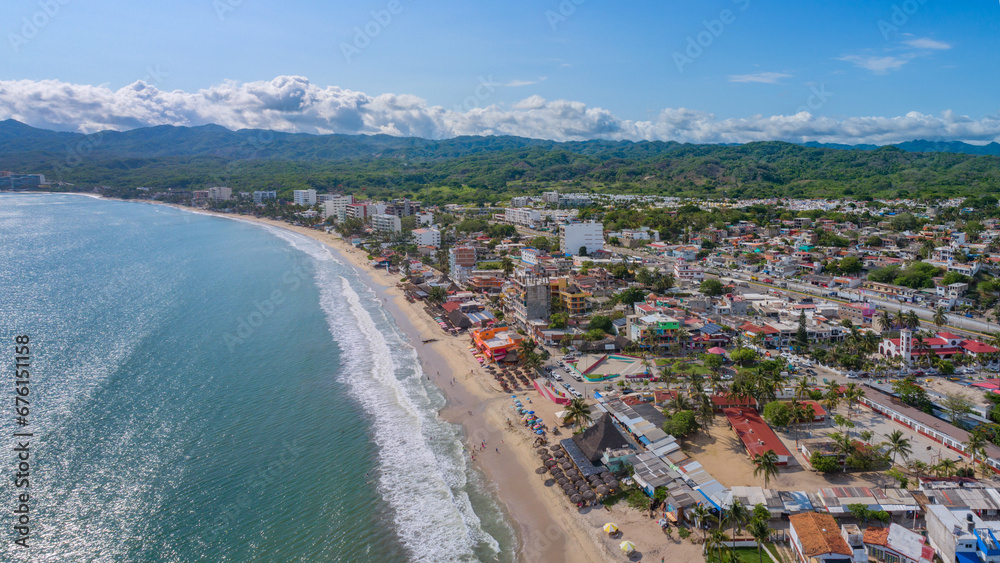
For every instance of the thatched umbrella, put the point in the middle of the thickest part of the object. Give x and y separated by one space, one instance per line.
541 471
603 490
576 499
562 481
566 465
589 495
559 454
606 475
542 451
550 462
580 483
612 484
593 478
573 473
568 487
556 448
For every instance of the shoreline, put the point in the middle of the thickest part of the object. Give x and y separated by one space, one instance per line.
544 523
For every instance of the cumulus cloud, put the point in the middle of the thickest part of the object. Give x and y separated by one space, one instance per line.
293 104
762 77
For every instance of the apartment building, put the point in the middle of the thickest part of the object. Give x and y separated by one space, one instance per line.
305 198
574 236
220 193
386 223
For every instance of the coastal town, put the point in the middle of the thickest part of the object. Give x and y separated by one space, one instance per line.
791 380
784 380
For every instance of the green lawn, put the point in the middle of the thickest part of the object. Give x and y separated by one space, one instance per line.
746 554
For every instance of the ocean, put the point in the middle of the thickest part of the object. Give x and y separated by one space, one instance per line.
208 389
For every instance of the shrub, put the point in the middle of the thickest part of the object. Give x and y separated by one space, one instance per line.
823 463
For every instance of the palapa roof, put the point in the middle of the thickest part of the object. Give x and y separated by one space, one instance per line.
600 436
819 534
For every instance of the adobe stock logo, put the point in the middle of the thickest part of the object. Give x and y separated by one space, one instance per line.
704 39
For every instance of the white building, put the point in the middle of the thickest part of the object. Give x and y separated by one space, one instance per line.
259 197
551 197
305 198
425 218
220 193
520 201
576 235
522 216
386 223
336 207
686 272
427 237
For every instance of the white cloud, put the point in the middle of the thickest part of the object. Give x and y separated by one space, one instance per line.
762 77
925 43
876 64
293 104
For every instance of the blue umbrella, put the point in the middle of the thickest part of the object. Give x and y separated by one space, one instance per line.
531 412
539 432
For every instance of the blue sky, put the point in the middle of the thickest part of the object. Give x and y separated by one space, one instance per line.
632 61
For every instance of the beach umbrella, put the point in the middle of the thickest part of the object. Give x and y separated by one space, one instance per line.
627 546
566 465
589 495
602 490
610 528
550 462
542 451
580 483
613 484
606 475
593 478
562 481
569 487
539 432
555 448
541 470
531 412
575 499
560 453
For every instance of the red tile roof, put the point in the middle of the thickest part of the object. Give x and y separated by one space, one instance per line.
877 536
819 534
755 434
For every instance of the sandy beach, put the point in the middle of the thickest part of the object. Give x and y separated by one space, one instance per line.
549 528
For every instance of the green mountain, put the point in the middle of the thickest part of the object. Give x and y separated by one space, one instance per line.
482 169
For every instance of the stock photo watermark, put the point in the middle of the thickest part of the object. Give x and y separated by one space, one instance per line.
365 34
818 97
482 92
247 325
223 7
32 25
713 29
899 16
563 11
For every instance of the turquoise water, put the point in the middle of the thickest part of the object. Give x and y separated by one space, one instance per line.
206 389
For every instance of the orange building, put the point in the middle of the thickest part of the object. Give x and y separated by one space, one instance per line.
496 342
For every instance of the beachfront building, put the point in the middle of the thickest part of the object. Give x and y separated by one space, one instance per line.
943 345
461 263
574 236
386 223
220 193
926 425
427 237
402 207
529 298
687 272
756 435
860 314
658 327
896 544
260 196
359 211
496 342
568 296
816 538
336 206
305 198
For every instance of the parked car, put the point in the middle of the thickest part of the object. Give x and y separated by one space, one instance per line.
556 376
578 378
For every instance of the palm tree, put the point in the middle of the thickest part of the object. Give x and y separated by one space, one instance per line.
507 265
976 446
832 396
760 531
940 316
701 516
578 412
706 412
738 515
911 320
945 468
679 403
897 444
766 464
883 322
844 445
717 540
852 394
918 468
